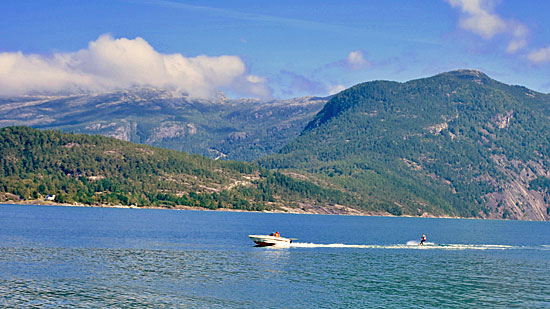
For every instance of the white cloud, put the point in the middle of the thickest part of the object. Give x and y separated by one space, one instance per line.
515 45
540 55
519 37
356 60
479 18
110 64
334 89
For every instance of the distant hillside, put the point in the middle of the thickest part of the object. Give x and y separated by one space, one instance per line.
96 170
458 143
220 128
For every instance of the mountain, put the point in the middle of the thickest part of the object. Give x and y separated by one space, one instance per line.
242 129
455 144
458 144
97 170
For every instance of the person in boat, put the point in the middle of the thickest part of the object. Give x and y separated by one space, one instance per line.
277 234
422 240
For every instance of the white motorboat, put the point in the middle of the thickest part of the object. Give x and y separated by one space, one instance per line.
269 240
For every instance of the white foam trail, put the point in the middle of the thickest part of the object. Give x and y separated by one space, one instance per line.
410 245
416 243
310 245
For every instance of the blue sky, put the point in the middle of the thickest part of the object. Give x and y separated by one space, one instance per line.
263 48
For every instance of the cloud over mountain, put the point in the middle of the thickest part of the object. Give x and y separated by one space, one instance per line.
110 64
356 60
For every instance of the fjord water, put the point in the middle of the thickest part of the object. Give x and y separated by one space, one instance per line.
79 256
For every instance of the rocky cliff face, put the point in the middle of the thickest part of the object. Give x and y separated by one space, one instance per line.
514 197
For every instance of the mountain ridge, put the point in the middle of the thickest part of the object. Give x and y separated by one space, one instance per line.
241 129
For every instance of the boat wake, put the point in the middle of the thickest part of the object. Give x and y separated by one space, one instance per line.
414 245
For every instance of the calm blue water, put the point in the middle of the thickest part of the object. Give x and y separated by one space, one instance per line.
76 256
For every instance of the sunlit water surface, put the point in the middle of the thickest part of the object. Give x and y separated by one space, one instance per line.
77 256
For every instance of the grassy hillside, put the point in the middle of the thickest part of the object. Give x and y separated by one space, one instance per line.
458 143
100 170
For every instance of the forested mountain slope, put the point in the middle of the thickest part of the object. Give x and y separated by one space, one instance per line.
458 143
97 170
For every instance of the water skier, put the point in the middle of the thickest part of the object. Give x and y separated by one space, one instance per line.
422 240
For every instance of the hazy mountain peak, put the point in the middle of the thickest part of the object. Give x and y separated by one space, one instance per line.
467 74
471 72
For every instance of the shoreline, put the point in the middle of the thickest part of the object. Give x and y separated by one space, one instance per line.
333 210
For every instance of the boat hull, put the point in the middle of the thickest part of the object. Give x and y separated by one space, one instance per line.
266 240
